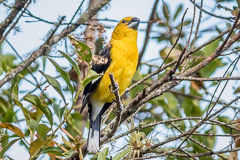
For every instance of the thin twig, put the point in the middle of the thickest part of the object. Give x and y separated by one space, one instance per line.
148 30
14 24
206 79
43 49
19 4
214 15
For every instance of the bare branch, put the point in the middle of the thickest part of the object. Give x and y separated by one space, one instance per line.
148 30
19 4
46 47
206 79
214 15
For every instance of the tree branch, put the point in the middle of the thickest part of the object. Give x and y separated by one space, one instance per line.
46 47
19 4
205 79
148 30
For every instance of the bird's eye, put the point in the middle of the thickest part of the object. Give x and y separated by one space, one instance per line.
124 21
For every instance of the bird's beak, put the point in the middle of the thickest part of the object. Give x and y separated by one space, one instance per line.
133 23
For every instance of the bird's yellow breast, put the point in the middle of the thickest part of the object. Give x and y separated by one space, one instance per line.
124 59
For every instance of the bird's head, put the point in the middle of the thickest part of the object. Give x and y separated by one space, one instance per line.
126 28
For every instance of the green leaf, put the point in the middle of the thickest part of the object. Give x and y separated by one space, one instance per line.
227 120
210 140
73 120
179 9
42 130
209 49
121 154
24 110
36 146
10 115
53 150
44 60
166 12
237 90
191 107
68 154
208 70
64 75
67 143
13 128
37 115
171 107
53 82
93 75
58 111
74 65
187 22
102 154
3 104
37 102
15 91
7 147
33 124
82 49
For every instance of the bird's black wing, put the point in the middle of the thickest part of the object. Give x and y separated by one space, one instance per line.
100 66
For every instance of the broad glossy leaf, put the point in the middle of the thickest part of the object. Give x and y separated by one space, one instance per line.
53 82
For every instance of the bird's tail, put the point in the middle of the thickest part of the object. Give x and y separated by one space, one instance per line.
94 135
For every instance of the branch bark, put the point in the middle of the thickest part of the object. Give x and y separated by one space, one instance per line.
46 47
19 4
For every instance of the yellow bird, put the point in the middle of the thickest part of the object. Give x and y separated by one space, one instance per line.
119 58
